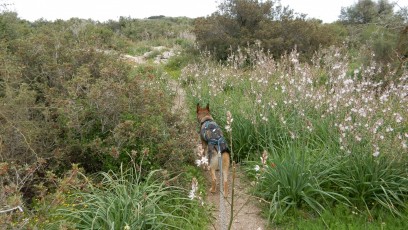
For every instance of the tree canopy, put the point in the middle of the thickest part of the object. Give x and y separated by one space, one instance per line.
277 29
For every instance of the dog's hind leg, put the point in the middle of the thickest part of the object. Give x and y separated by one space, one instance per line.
225 170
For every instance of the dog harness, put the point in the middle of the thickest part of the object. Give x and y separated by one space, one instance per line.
212 134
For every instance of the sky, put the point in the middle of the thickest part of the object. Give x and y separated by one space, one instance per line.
103 10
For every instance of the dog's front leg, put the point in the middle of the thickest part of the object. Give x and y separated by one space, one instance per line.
204 146
210 166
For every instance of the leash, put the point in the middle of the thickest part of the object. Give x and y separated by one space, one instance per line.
222 206
216 142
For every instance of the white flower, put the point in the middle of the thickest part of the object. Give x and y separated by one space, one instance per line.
398 117
229 118
264 118
202 161
264 157
389 129
191 195
336 66
384 98
348 81
376 153
282 120
198 162
292 135
127 227
194 187
257 168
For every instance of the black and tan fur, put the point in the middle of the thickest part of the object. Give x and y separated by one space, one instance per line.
203 114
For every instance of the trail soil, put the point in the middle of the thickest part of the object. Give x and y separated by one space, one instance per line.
246 211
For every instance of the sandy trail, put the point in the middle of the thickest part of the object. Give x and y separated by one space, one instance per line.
247 214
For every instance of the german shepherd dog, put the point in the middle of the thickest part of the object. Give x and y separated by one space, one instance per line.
213 141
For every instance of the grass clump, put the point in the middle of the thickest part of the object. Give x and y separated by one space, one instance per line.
295 185
126 200
372 183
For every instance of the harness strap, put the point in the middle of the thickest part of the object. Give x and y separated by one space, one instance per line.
217 145
212 134
206 121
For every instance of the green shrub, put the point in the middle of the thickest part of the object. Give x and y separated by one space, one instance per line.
341 217
371 183
292 180
277 30
126 199
66 98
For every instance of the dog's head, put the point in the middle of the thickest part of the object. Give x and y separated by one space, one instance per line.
203 113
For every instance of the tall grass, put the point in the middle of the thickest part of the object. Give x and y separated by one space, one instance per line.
335 133
293 181
125 200
369 182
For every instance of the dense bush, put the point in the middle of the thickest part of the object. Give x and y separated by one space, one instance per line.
66 98
150 29
277 30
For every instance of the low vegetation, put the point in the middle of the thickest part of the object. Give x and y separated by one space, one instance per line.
333 136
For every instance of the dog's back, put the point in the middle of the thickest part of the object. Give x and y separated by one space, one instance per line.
213 141
212 134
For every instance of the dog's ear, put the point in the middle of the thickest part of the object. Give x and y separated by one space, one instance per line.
198 107
208 107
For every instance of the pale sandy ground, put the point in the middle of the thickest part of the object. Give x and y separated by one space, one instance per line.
247 214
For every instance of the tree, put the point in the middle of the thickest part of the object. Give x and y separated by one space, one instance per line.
247 13
366 11
277 29
377 25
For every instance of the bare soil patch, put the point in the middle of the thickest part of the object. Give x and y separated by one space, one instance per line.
246 210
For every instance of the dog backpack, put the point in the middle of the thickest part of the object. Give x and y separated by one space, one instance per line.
212 134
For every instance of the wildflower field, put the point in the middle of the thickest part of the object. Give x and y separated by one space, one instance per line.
332 138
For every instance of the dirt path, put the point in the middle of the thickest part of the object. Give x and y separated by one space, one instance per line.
247 214
246 211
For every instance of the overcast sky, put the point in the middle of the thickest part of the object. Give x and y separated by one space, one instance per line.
102 10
